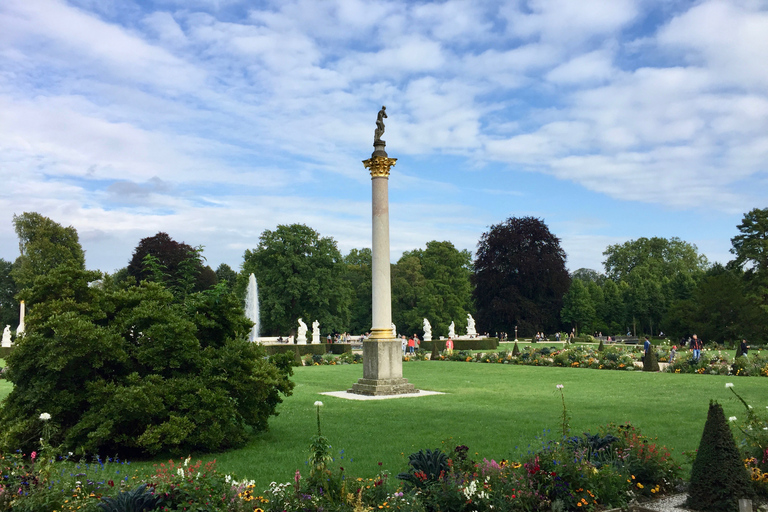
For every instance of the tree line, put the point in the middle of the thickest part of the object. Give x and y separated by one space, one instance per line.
517 279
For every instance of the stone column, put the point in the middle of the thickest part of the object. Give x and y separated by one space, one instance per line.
382 353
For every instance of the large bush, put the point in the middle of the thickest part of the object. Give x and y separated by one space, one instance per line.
131 370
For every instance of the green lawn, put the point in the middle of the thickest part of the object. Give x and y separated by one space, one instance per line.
497 410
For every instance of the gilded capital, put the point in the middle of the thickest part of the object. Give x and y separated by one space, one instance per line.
379 166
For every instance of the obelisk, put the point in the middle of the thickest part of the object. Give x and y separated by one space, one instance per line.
382 353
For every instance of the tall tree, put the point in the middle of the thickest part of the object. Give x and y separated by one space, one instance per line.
614 310
520 277
433 283
578 308
176 265
751 249
44 245
358 275
9 306
225 274
300 275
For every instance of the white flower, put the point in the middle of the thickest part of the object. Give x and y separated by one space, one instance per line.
180 472
729 384
187 460
45 416
318 404
559 386
732 418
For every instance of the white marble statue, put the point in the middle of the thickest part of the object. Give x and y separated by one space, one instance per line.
301 337
315 332
427 330
452 330
21 328
471 326
7 336
394 330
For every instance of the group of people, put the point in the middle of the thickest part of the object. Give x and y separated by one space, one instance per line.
410 345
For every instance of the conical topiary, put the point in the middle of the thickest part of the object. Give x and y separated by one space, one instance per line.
739 352
718 476
435 356
515 350
651 362
600 347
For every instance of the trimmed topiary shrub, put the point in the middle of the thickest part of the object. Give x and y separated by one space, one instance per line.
718 476
600 347
651 362
516 350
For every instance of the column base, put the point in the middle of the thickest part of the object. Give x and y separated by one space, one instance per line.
382 369
382 387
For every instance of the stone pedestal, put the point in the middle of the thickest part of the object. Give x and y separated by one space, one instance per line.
382 370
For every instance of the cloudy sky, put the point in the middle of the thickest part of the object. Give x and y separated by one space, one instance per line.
213 120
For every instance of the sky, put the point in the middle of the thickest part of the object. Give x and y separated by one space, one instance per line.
215 120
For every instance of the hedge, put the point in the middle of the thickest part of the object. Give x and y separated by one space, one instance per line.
314 348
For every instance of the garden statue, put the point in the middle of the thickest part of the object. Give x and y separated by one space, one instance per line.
7 336
394 330
20 329
427 330
315 332
301 337
471 326
452 330
379 125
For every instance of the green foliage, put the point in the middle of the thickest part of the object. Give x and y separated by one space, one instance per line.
515 350
178 266
225 274
135 500
358 275
44 245
520 277
578 305
651 361
9 306
718 476
300 275
433 283
426 467
131 370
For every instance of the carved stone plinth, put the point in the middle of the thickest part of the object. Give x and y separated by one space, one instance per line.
382 370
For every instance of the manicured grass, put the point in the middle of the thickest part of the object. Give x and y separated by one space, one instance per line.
495 409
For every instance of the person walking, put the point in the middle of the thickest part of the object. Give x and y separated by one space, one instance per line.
411 345
696 347
449 346
744 348
672 354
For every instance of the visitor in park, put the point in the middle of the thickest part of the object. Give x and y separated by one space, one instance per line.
672 354
695 345
744 348
404 342
416 341
329 338
557 336
647 346
411 345
449 346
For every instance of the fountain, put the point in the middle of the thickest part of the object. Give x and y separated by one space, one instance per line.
252 307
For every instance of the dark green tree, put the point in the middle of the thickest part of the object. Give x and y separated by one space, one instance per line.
433 283
718 476
9 306
520 277
751 249
358 275
662 257
578 307
225 274
131 370
300 275
178 266
614 310
44 245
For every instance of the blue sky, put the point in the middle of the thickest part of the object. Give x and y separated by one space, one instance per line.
213 120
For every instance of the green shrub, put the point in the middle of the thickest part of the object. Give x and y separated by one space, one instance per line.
132 370
516 350
718 476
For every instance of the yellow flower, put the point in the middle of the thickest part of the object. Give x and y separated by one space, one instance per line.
639 485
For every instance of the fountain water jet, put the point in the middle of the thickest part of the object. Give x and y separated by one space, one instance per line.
252 307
